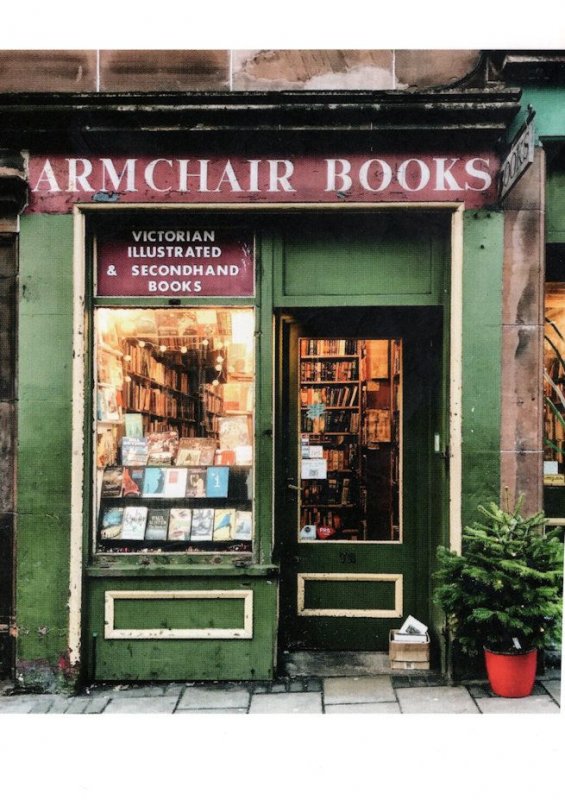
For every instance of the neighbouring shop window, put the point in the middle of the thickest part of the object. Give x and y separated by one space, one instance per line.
350 439
174 400
554 385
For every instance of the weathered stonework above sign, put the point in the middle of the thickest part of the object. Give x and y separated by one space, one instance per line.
57 183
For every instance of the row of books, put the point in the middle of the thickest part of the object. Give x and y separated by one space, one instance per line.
173 482
166 448
321 517
331 371
333 491
141 397
140 361
330 395
328 347
138 523
331 422
338 458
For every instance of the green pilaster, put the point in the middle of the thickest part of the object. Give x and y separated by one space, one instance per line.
482 336
44 445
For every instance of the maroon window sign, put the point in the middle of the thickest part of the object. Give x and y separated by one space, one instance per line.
173 261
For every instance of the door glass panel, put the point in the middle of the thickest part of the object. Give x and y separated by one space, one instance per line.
350 431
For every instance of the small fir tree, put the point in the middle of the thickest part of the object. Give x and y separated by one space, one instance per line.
507 585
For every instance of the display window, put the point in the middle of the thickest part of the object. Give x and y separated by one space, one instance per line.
174 429
350 439
554 385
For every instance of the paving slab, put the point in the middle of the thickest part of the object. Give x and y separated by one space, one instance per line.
377 689
534 704
554 689
288 703
43 704
96 705
17 704
214 697
78 705
363 708
436 700
211 711
141 705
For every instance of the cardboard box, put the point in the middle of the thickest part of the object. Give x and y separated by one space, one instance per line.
409 655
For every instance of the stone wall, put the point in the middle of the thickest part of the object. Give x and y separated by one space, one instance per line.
238 70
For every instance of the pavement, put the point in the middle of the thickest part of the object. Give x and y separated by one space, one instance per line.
357 694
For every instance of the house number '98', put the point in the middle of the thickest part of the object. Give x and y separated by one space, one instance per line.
347 558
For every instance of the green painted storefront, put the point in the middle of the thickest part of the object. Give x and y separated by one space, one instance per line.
344 265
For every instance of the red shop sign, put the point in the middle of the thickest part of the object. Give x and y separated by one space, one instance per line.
165 261
57 182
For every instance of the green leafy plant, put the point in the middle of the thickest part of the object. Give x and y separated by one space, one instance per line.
506 586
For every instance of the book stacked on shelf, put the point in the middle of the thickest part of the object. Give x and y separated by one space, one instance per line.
141 523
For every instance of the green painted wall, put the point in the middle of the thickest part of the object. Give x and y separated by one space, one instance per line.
44 445
197 659
482 337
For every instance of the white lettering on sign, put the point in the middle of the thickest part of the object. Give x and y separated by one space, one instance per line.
175 261
518 160
57 182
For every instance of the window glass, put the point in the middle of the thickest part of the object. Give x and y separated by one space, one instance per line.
554 386
174 399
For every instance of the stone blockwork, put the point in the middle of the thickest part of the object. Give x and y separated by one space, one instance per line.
238 70
522 338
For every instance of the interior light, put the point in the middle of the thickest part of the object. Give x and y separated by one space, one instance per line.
162 347
184 349
215 382
141 343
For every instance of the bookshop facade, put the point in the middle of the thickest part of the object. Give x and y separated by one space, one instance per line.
257 388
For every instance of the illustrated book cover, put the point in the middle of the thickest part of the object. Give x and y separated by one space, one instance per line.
202 524
112 482
157 524
111 524
180 521
154 482
224 524
133 522
217 479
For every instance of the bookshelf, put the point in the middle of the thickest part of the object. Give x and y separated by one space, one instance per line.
330 375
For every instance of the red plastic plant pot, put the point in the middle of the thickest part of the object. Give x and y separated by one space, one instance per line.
511 674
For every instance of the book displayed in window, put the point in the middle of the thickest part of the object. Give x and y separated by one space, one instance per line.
174 429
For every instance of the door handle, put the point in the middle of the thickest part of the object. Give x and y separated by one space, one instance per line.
291 485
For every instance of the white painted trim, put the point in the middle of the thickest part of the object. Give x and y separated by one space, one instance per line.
380 613
245 632
77 458
456 381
